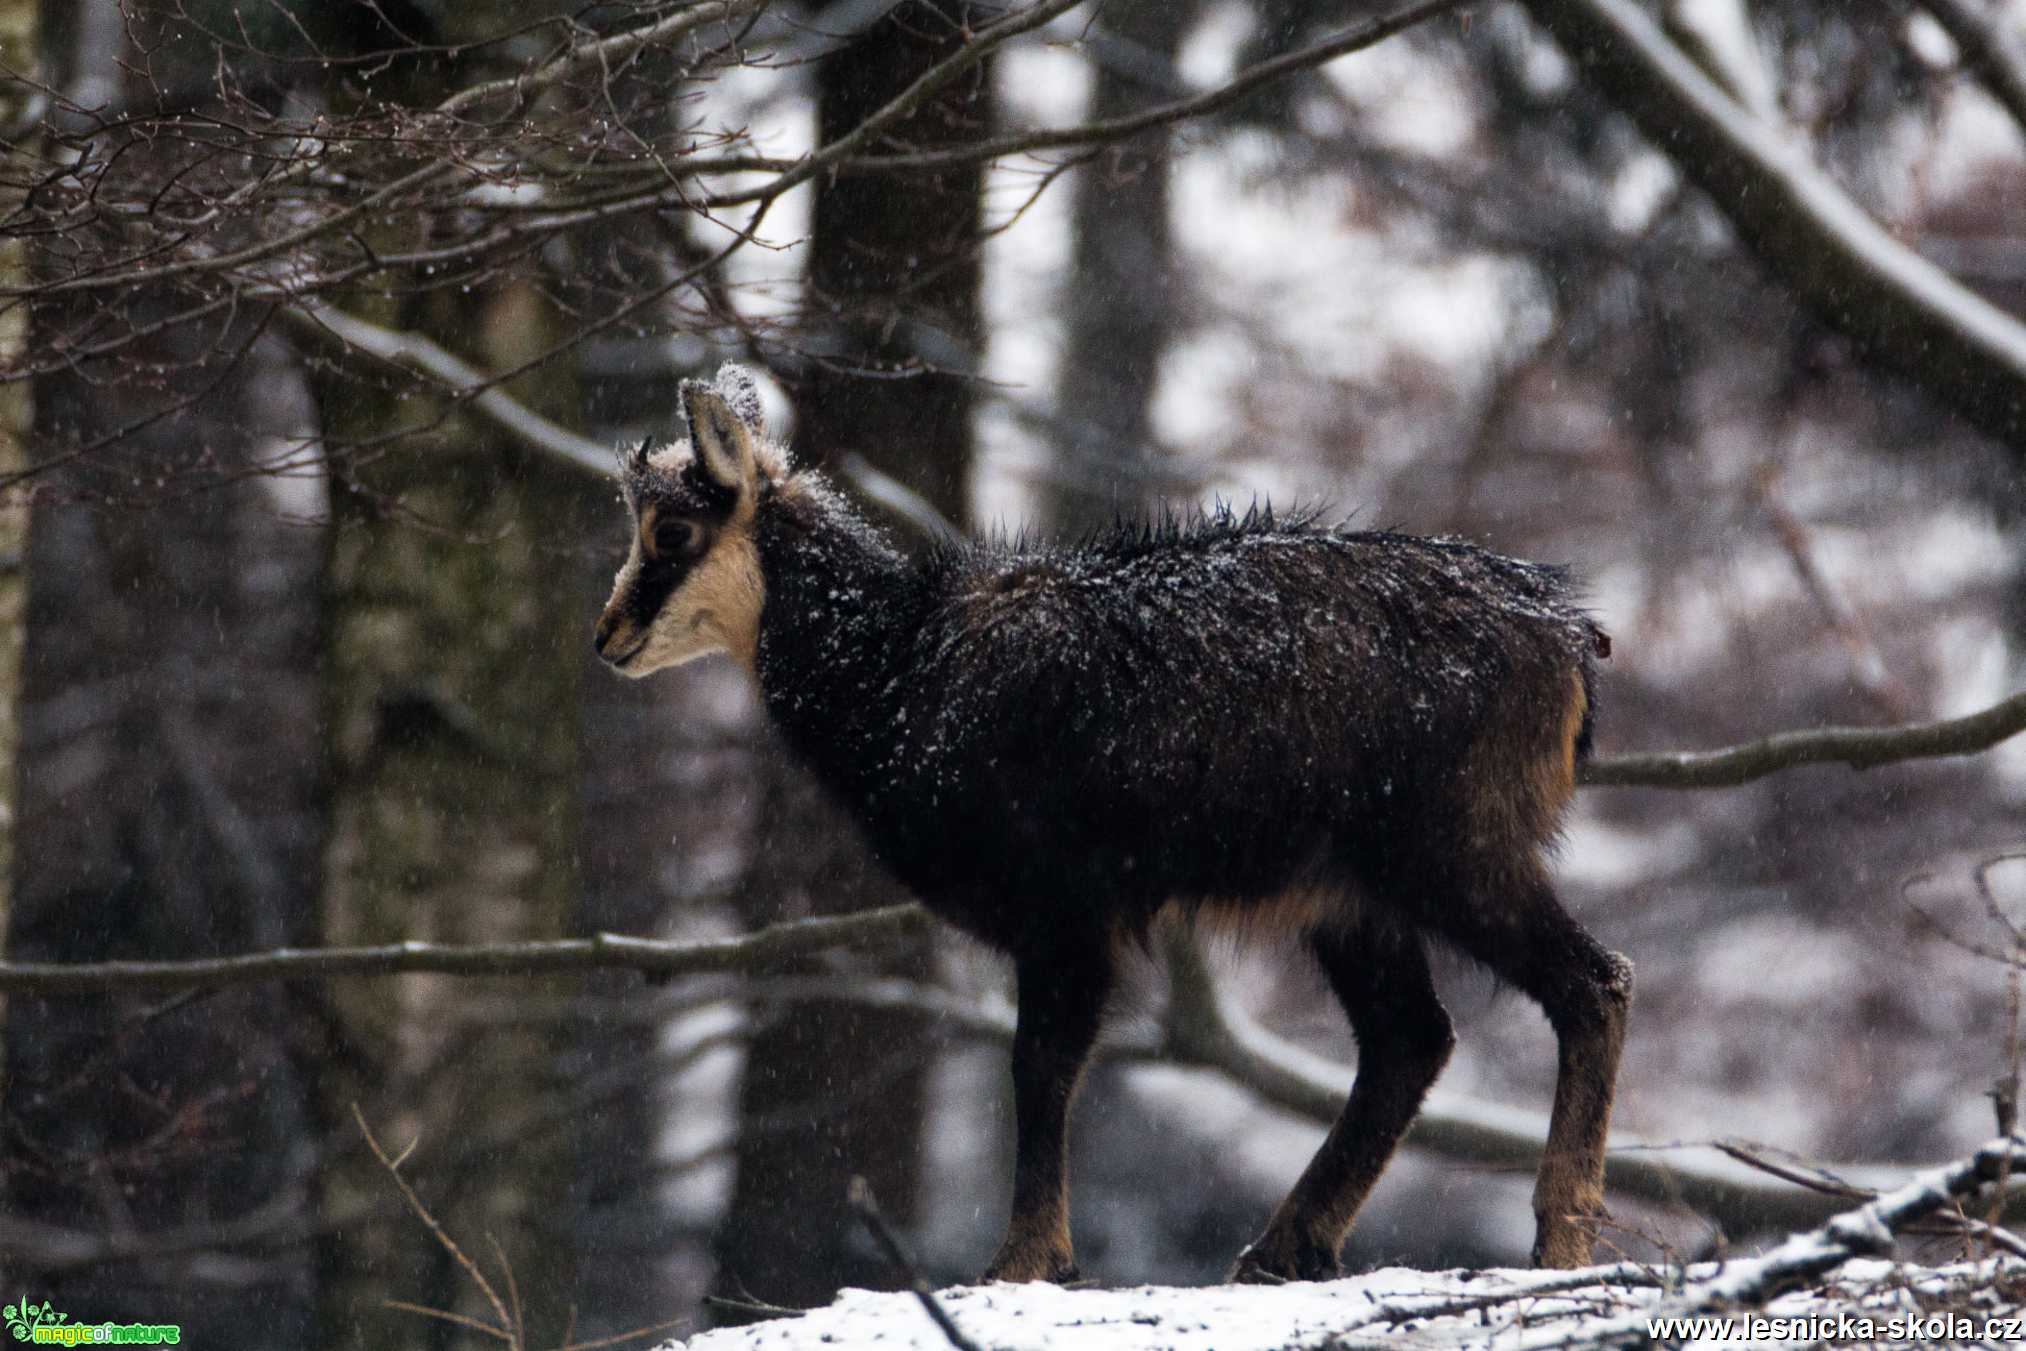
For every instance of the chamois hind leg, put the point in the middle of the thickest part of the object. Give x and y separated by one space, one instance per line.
1518 929
1380 975
1063 990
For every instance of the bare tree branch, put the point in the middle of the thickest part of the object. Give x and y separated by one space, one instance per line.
1858 747
1897 307
347 335
1240 85
508 1327
520 219
1873 676
1367 34
775 948
983 42
1717 36
120 273
602 54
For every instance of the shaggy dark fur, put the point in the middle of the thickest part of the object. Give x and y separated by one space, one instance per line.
1041 740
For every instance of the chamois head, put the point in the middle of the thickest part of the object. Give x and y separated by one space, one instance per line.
691 581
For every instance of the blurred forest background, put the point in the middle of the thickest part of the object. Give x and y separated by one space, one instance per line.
318 322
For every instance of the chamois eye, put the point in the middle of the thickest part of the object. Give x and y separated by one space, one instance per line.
673 538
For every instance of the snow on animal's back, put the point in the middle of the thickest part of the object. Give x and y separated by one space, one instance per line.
1278 629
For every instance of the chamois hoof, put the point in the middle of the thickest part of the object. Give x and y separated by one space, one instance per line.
1566 1243
1022 1269
1566 1252
1281 1263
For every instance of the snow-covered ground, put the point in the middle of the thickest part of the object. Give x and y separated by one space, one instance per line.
1397 1306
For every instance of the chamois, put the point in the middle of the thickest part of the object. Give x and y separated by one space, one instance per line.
1364 738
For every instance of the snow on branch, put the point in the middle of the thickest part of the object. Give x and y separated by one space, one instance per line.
1840 264
1748 1283
1993 48
349 337
328 327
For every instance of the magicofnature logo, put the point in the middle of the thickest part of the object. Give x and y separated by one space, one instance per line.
42 1324
24 1318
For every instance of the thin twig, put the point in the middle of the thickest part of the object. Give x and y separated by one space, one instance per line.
1995 1236
745 1301
1874 677
1817 1180
463 1320
507 1330
618 47
861 1198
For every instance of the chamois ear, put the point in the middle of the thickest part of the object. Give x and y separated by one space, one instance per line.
735 382
724 442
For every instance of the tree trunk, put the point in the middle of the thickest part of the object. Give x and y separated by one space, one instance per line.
21 38
167 776
452 664
455 629
1123 287
894 266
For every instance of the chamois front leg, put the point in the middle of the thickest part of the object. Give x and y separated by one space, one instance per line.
1062 997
